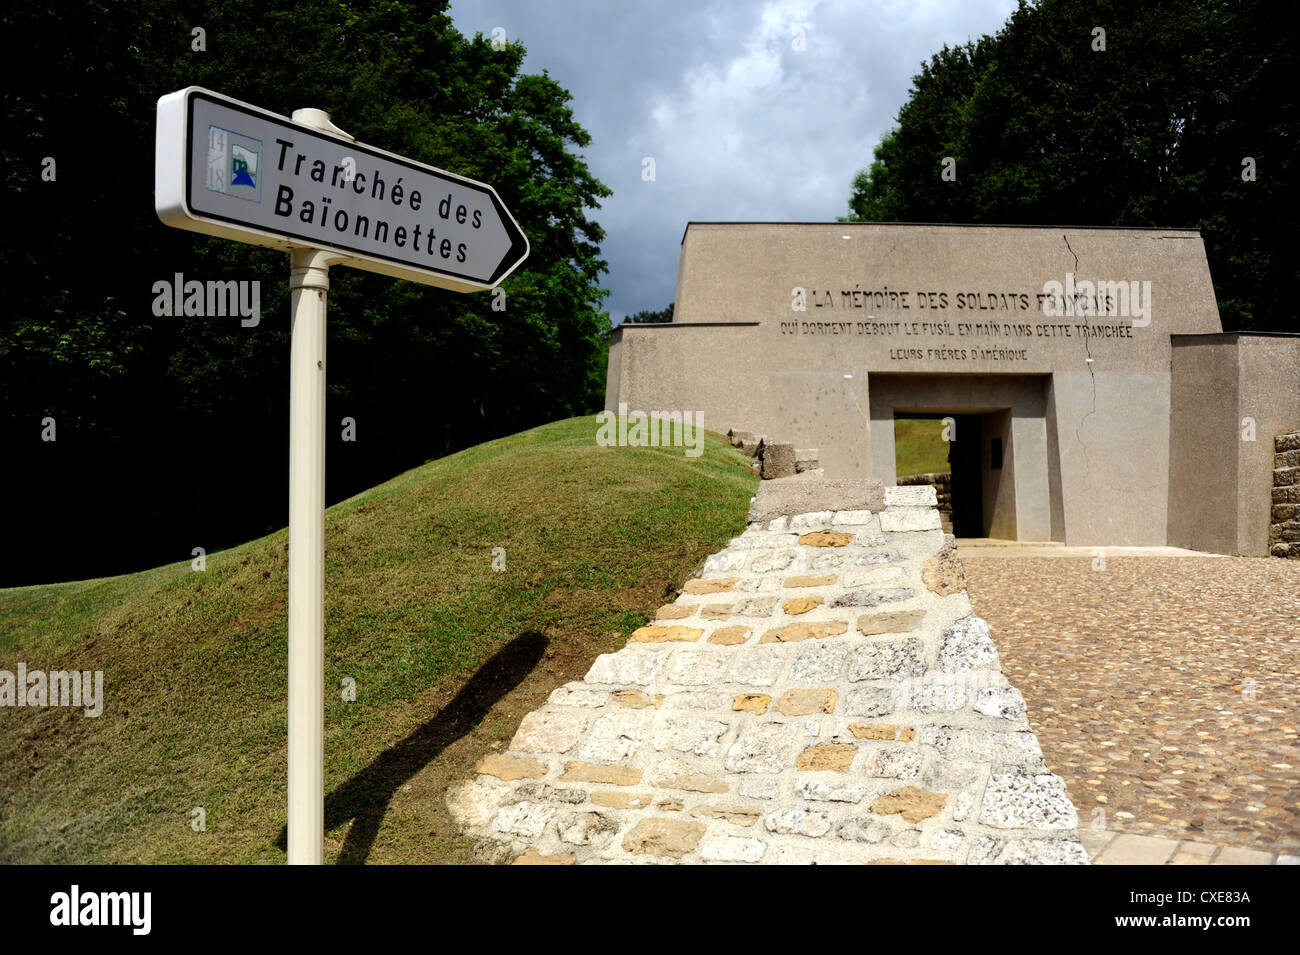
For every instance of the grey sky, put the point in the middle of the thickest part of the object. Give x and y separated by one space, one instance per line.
741 125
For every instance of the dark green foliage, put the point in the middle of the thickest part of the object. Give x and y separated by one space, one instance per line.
645 317
171 431
1150 132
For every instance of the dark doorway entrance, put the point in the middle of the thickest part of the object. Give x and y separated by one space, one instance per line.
963 427
967 483
943 449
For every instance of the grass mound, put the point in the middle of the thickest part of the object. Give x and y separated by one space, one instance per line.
447 652
919 446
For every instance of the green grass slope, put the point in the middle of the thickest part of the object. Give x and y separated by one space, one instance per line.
919 446
447 654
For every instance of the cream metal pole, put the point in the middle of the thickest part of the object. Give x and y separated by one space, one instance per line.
308 282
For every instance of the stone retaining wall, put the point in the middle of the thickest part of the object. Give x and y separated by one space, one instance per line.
775 459
941 481
821 693
1284 531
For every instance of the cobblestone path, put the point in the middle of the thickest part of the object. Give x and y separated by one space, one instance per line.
1164 690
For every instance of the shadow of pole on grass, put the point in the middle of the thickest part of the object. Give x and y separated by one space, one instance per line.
365 797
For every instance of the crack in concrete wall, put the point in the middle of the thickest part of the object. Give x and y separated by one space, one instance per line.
1088 360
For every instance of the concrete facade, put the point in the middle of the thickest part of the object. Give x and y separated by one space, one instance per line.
1102 392
1232 394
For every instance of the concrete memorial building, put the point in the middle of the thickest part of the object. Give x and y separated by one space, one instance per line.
1094 397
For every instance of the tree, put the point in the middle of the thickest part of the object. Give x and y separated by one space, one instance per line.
1155 129
647 318
181 421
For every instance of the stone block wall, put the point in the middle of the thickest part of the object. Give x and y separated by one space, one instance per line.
1284 531
775 459
941 481
821 694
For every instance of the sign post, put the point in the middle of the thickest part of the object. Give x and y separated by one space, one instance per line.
229 169
309 281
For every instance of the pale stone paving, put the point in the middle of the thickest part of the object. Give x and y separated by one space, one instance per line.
822 693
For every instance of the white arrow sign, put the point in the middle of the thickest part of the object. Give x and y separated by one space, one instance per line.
303 185
226 168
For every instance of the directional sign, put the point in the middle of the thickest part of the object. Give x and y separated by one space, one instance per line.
226 168
303 185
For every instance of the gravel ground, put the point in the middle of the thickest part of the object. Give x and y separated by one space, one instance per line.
1163 690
